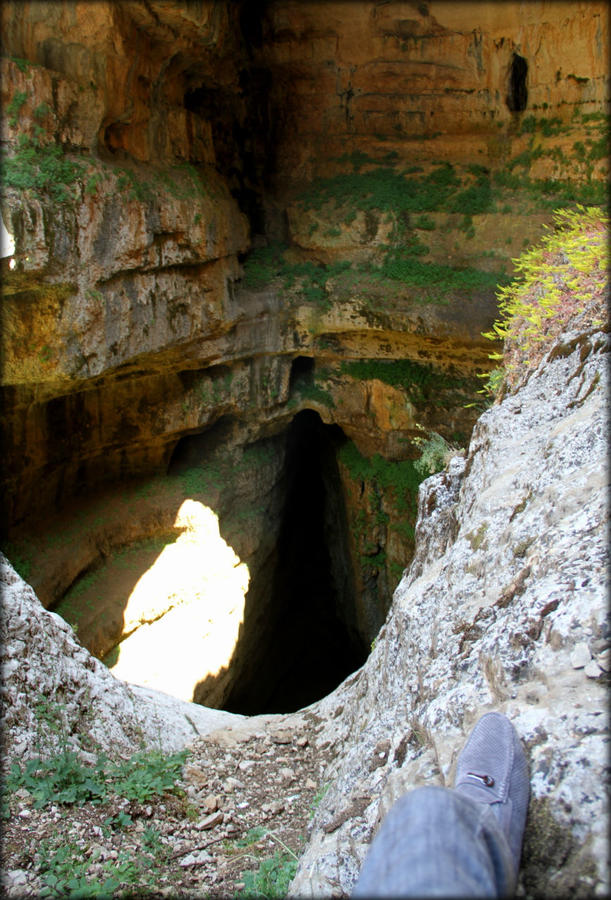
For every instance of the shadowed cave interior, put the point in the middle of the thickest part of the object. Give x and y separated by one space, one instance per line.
307 642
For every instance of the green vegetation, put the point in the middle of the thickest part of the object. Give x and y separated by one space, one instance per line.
422 383
314 392
273 876
274 873
14 107
550 193
381 190
318 796
73 606
399 481
435 451
547 126
22 64
42 168
476 538
425 223
198 480
138 188
92 183
565 275
266 264
42 111
62 779
439 280
21 563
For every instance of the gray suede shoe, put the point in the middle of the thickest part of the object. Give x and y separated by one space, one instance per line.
492 769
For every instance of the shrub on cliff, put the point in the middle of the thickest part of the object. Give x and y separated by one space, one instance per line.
560 285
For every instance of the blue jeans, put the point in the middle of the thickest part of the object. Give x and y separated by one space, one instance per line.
436 842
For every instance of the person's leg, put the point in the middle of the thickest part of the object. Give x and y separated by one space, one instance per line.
457 843
436 843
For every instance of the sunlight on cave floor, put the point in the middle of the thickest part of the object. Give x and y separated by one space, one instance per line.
202 584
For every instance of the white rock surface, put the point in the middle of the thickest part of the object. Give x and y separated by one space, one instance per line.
510 576
581 655
52 686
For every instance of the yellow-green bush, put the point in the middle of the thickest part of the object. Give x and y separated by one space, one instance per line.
560 284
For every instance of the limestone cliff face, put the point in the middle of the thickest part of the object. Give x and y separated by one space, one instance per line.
435 76
504 607
222 210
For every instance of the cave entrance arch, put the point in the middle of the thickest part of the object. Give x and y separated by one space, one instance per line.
307 642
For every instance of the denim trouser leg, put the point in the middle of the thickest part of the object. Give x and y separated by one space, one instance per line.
436 842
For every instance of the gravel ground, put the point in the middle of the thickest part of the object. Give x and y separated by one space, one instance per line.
246 793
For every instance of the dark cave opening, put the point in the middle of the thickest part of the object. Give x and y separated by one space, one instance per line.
309 641
302 372
517 99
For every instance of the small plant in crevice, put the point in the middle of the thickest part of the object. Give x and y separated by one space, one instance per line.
320 794
272 877
435 452
274 873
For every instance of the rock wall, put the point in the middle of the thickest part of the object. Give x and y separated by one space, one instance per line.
432 77
504 607
218 210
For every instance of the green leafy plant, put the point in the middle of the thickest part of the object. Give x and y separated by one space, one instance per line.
272 877
14 107
64 779
92 183
63 871
114 823
42 168
147 774
435 451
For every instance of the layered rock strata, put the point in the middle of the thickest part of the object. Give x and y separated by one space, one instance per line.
227 214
